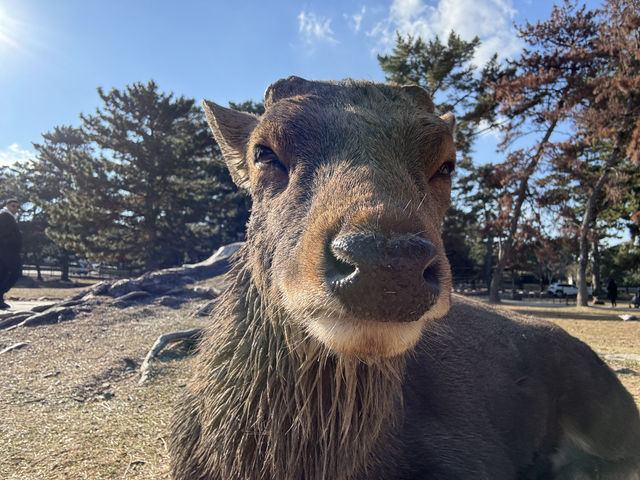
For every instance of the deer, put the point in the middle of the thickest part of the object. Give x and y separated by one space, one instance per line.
338 350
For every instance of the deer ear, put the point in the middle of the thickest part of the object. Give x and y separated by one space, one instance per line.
420 96
450 120
232 130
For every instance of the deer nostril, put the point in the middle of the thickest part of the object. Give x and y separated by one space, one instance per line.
339 270
430 276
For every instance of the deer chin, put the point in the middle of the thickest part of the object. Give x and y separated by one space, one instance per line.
324 318
351 336
364 338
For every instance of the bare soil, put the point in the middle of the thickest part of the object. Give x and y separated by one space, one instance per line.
72 408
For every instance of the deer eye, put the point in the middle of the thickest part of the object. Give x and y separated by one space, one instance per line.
446 169
264 157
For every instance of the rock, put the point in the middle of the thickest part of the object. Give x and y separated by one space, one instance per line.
206 292
170 301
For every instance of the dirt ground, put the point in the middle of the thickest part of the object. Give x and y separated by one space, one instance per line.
72 408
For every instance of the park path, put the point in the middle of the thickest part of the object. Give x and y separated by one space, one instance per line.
18 306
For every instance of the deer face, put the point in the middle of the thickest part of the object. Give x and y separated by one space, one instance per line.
350 182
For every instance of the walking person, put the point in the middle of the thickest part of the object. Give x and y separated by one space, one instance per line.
612 292
10 245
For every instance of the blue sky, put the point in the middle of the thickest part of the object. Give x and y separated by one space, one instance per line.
54 54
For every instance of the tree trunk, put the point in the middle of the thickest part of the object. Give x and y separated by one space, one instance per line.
64 267
590 207
540 279
595 266
521 193
583 295
488 262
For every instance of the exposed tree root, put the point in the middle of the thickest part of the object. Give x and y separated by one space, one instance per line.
160 343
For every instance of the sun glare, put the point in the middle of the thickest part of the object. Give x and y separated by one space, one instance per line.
8 32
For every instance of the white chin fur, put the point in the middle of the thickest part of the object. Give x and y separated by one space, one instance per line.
363 338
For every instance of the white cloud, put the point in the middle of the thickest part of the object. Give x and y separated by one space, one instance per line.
486 130
313 28
14 154
490 20
355 20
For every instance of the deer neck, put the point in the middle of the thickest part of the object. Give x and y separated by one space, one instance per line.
295 410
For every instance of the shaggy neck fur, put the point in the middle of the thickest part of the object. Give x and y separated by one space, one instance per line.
271 403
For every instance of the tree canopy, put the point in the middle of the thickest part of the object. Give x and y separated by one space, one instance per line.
567 110
139 184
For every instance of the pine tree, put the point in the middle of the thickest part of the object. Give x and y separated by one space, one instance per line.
141 185
613 114
541 91
167 200
63 166
580 187
448 73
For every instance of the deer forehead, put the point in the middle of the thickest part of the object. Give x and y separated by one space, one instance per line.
313 127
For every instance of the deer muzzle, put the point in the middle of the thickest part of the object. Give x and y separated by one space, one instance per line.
383 278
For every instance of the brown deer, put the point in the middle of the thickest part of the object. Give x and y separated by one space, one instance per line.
336 352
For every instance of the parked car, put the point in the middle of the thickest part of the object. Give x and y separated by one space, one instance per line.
564 290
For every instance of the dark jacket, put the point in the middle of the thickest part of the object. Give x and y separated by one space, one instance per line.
10 240
612 290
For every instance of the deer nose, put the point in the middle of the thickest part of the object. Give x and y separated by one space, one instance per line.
383 278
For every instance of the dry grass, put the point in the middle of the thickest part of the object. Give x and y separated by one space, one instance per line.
71 405
28 288
72 408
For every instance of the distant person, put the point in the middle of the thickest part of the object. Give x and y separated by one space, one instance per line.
10 245
635 301
612 292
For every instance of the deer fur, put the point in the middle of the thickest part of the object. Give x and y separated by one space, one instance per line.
337 351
